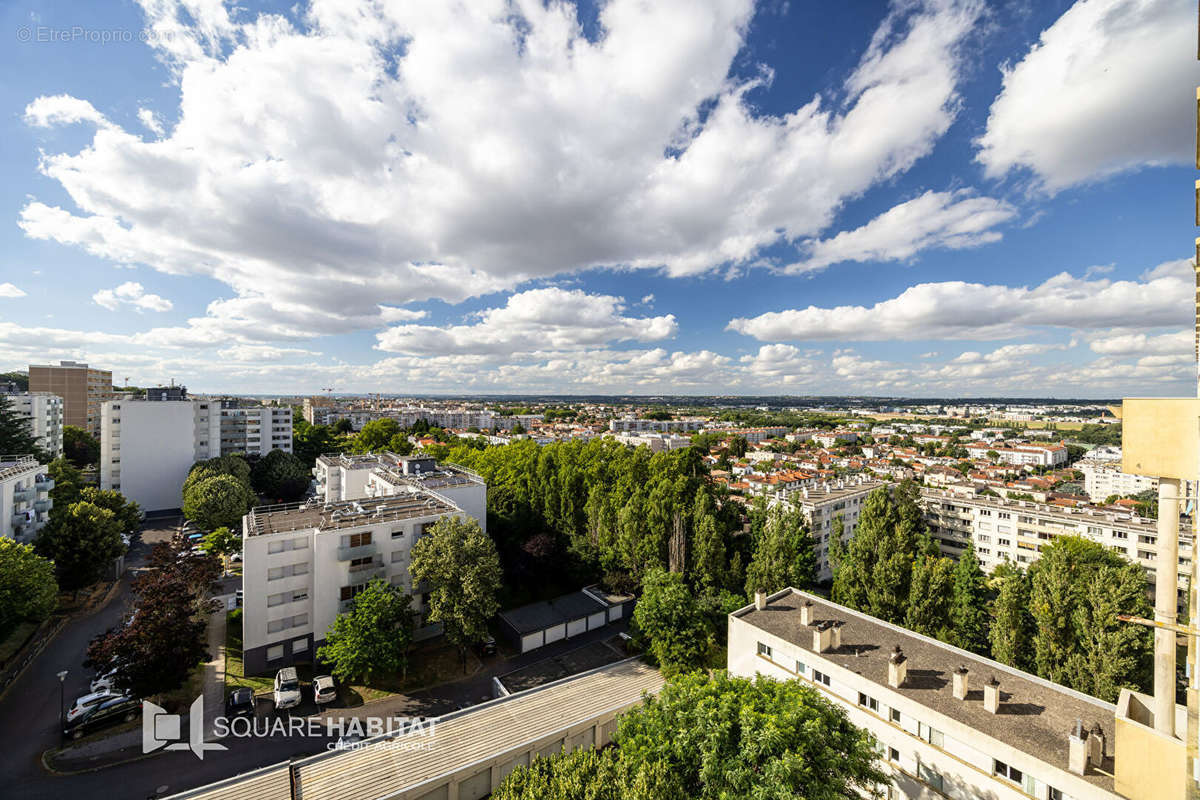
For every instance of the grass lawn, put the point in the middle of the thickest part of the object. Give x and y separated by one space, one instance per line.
235 669
14 641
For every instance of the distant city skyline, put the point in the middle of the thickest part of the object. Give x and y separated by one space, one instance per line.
947 198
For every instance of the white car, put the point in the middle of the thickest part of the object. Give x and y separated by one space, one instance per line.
103 683
323 689
287 689
90 701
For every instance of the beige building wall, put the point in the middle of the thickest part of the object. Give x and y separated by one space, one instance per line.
82 389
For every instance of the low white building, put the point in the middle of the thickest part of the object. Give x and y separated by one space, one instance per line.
1037 455
24 497
45 414
148 447
305 562
948 723
657 442
1103 478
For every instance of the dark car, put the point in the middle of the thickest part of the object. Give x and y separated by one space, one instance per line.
487 647
240 703
110 712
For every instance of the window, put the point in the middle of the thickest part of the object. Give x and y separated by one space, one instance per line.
820 677
1120 534
1053 794
1007 772
866 701
1147 539
356 539
299 646
894 715
931 735
275 653
1146 554
764 649
931 776
893 754
1004 542
801 668
397 555
398 533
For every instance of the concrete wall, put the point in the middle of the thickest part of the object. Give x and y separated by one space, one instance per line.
147 454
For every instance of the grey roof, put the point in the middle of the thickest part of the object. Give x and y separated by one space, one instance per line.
1035 715
545 614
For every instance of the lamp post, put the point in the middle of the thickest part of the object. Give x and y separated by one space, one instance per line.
62 699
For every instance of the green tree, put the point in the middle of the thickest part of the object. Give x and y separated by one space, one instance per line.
222 543
126 512
82 542
376 435
931 594
68 483
784 554
80 447
28 590
738 446
462 569
716 738
969 608
1074 620
310 441
218 501
342 426
280 475
671 623
710 566
400 445
1011 630
16 432
373 638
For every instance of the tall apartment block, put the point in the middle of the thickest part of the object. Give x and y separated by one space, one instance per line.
304 563
45 414
24 497
82 389
147 447
949 723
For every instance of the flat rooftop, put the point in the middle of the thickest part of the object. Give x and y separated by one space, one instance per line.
1035 715
14 465
460 739
348 514
827 492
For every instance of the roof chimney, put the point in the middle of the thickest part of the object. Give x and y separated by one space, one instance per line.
835 635
991 696
821 637
806 613
1077 750
960 682
897 668
760 600
1095 745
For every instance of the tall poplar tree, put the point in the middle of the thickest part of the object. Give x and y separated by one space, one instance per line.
968 611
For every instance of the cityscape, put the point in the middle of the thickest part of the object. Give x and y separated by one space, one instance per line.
601 399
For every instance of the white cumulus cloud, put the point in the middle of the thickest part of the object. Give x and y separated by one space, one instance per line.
9 290
133 294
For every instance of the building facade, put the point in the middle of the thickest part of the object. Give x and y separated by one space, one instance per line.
24 497
1102 478
82 389
948 723
822 503
305 562
45 414
255 429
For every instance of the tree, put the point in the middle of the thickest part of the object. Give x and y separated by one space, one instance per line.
164 638
221 500
709 563
126 512
930 596
373 637
968 610
1077 587
462 568
310 441
400 445
16 432
343 426
28 590
738 446
222 543
704 738
376 435
281 475
784 554
80 447
668 618
81 542
1011 631
68 483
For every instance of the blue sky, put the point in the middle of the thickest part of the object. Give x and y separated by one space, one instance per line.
948 197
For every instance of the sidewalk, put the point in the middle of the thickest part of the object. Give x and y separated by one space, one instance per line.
214 674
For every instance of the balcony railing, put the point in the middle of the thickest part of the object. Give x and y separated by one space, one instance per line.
367 572
44 484
351 553
43 505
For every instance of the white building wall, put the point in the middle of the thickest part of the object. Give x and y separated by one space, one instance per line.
45 414
24 499
147 449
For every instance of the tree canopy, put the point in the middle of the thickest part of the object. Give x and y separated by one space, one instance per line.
80 447
671 623
373 637
28 589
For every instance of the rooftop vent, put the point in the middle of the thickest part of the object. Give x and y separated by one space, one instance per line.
806 613
835 634
760 600
1077 750
897 668
960 682
821 637
991 696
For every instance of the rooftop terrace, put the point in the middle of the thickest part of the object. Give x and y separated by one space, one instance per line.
349 514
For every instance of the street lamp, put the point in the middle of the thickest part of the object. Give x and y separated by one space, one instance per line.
62 699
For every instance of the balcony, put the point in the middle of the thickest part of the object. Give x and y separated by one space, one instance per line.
362 573
351 553
24 495
20 519
43 505
44 484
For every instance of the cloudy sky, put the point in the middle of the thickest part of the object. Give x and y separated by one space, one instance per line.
911 198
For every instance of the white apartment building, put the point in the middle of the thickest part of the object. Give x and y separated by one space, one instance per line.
148 447
949 723
820 504
1037 455
305 562
341 477
1016 530
24 497
657 442
1104 478
45 414
633 425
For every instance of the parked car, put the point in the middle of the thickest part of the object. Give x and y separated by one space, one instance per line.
103 683
323 689
240 703
87 702
110 712
236 558
487 647
287 689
